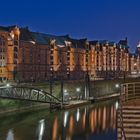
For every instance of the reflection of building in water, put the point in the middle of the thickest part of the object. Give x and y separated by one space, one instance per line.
55 129
111 117
92 120
71 125
115 113
99 120
102 118
10 135
85 121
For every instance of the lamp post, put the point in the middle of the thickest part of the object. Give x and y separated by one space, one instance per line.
87 80
61 78
51 77
62 91
78 92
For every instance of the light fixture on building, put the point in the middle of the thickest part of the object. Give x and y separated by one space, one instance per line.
135 64
51 69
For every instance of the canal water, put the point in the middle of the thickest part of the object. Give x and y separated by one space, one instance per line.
92 122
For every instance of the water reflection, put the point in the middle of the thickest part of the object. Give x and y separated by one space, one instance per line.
10 135
78 114
41 128
66 113
87 122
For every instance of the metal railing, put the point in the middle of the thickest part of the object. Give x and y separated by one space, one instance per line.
123 137
129 91
28 93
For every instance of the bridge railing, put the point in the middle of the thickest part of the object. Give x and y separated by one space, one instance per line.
130 91
28 93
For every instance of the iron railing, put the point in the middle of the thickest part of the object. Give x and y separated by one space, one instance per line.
129 91
28 93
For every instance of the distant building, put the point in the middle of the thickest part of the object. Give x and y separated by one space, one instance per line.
109 59
33 56
9 46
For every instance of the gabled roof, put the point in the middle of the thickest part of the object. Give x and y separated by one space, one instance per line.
8 28
103 42
78 43
123 42
111 43
41 38
26 35
95 42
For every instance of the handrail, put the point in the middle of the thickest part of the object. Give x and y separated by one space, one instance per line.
130 91
28 93
123 136
125 95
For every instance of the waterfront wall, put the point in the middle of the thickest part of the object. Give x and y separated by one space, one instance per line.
98 88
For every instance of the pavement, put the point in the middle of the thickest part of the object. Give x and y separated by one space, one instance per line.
76 103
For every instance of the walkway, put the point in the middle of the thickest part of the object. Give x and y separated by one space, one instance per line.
76 103
128 120
131 120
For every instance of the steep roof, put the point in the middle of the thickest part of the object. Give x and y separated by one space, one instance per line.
95 42
123 42
103 42
41 38
78 43
25 34
8 28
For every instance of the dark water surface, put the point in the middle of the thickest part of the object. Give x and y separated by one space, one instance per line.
93 122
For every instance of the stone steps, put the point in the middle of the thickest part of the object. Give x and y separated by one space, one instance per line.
131 123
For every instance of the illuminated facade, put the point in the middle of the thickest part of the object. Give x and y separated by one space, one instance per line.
9 46
33 56
109 59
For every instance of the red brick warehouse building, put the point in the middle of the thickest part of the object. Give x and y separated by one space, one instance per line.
33 56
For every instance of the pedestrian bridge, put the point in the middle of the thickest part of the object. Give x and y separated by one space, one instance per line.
27 93
128 120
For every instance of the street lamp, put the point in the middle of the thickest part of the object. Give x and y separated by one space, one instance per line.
8 85
117 85
78 91
51 77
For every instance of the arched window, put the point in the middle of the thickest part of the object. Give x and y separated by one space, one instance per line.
15 55
15 61
2 41
15 49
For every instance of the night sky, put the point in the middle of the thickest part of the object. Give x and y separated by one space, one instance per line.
93 19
